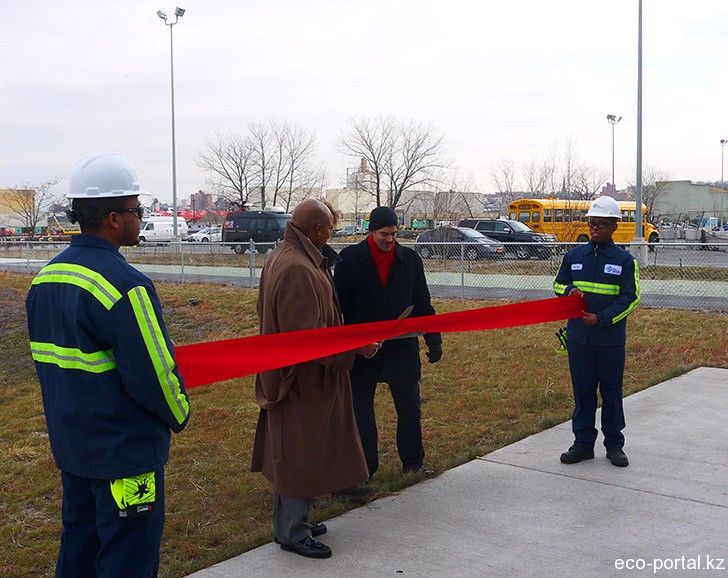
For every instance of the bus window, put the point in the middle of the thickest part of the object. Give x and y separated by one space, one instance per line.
536 217
577 214
567 215
525 216
512 216
625 215
547 215
632 216
558 215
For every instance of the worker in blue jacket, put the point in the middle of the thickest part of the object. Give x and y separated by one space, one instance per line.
607 277
111 389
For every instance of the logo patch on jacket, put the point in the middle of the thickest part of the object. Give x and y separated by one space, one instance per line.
576 266
613 269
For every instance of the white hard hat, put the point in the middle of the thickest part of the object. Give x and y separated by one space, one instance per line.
604 207
104 175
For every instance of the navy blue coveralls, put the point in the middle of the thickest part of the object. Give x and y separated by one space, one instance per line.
111 394
609 278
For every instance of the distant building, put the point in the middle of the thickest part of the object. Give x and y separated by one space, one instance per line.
201 201
10 219
689 199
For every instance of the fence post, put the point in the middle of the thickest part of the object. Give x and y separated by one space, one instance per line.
462 270
252 263
182 258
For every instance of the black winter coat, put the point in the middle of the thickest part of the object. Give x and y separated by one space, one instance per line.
363 299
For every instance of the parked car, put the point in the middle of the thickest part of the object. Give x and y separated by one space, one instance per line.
349 230
265 227
519 237
161 228
212 234
452 242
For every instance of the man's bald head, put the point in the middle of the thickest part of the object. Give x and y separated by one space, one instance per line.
314 219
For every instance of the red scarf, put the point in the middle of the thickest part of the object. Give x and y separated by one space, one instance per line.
382 259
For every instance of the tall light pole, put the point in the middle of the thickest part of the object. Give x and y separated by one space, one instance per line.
178 12
722 183
639 234
638 248
614 121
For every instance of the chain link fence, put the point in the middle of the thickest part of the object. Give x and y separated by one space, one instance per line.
673 275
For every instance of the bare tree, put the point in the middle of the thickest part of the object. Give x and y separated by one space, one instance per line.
503 174
230 160
303 179
272 160
261 138
414 162
401 156
537 178
371 140
30 202
654 186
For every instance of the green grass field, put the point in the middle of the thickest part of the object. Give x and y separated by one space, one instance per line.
490 389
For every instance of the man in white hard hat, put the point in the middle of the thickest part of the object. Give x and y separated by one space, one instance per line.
607 277
110 385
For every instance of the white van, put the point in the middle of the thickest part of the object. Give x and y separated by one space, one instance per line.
157 228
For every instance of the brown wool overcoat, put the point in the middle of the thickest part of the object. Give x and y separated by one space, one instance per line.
306 441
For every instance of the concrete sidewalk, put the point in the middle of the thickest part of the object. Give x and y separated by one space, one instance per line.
519 512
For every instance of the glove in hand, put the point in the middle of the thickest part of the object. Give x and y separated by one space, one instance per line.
561 336
435 353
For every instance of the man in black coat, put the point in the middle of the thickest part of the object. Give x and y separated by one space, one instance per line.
377 280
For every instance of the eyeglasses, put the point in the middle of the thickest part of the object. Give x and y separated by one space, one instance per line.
598 224
139 211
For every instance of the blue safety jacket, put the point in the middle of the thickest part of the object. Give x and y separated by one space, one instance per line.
609 278
110 385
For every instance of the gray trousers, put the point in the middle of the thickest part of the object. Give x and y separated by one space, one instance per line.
290 519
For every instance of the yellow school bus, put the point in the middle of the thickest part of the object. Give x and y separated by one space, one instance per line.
567 219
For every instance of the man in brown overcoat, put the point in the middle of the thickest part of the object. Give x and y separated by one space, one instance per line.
306 442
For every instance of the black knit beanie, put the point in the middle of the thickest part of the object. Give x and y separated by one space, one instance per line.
382 217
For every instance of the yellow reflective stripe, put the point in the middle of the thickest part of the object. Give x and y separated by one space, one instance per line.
559 288
637 299
82 277
601 288
158 352
72 358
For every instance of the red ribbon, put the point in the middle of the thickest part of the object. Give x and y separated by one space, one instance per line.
203 363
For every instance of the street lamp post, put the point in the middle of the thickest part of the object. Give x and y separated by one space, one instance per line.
722 183
638 247
178 12
614 121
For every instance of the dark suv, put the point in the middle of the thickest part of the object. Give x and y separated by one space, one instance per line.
259 226
457 242
519 237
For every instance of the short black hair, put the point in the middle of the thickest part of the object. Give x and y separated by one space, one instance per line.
89 213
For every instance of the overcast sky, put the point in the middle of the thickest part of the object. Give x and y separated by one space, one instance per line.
499 79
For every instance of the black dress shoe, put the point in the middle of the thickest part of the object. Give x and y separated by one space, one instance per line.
309 548
577 454
617 457
354 492
425 471
317 529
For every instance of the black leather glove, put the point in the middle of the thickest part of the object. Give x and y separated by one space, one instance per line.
435 353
